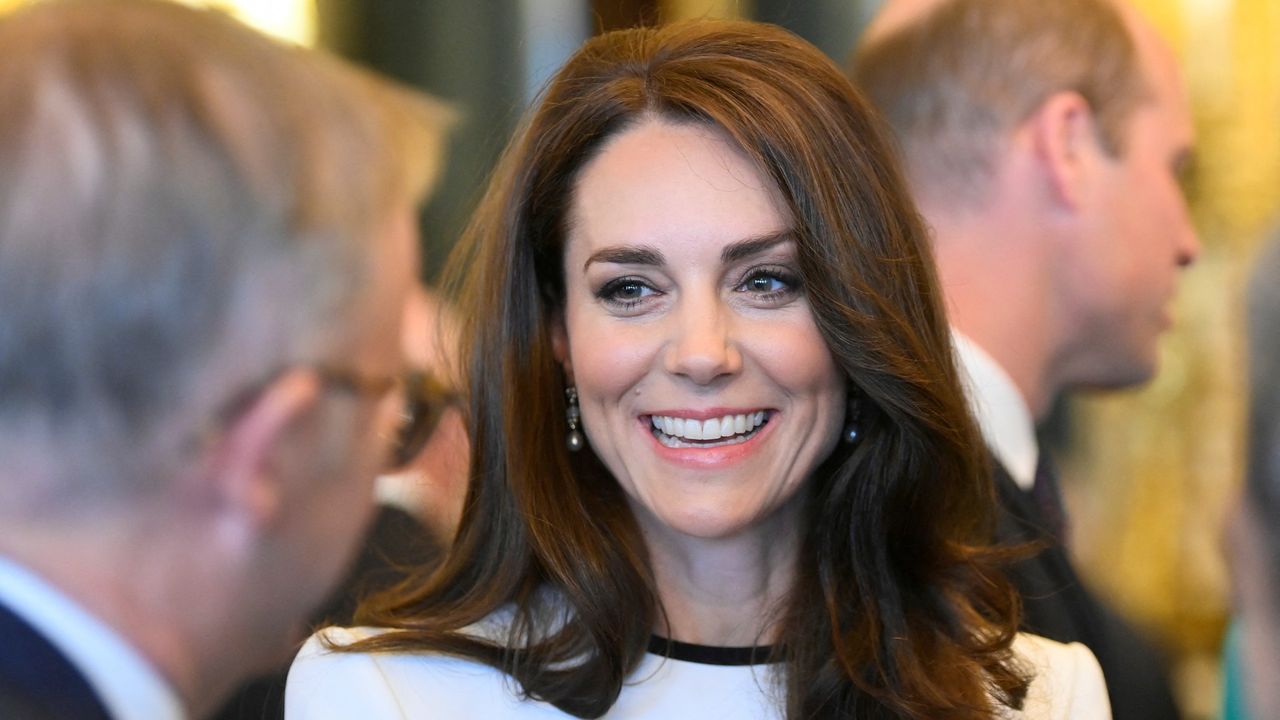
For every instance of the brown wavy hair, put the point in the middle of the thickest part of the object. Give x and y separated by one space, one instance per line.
896 611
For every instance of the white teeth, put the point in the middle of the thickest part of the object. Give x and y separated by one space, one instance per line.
692 430
712 429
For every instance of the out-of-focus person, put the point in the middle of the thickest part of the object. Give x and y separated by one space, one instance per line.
433 483
419 497
206 245
722 464
1043 143
1254 530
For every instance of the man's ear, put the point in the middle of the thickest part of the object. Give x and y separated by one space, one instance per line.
560 344
1064 137
248 482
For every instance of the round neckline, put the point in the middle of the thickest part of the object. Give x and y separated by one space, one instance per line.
711 654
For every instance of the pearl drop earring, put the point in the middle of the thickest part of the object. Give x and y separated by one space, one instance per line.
572 414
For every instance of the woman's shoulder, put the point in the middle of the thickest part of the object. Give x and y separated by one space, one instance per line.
326 681
1067 681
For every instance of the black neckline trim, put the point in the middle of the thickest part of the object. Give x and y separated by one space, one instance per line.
711 654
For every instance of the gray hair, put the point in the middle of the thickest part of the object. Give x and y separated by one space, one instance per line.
954 82
185 206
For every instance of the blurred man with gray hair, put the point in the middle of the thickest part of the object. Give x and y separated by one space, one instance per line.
1044 142
206 243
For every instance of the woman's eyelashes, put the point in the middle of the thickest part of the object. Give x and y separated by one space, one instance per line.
625 293
770 284
767 285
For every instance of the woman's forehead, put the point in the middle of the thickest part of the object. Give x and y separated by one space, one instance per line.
661 184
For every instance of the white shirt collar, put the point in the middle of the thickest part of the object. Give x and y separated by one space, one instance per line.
1001 411
128 685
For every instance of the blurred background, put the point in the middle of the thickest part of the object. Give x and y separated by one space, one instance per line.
1149 474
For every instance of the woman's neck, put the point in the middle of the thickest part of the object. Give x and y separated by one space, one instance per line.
725 591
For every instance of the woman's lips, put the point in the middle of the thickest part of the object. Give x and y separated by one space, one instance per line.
706 442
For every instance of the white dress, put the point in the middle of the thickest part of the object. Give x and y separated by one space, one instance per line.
326 685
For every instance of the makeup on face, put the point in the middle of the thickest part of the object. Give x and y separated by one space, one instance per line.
704 384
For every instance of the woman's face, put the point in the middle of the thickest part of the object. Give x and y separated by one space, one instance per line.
705 386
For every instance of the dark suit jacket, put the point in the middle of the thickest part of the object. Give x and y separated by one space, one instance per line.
395 540
1057 605
36 681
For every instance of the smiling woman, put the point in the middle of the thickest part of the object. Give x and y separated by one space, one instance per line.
699 253
677 327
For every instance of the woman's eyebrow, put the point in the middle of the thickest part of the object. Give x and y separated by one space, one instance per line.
626 255
739 251
646 255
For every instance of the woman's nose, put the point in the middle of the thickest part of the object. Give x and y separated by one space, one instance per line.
703 348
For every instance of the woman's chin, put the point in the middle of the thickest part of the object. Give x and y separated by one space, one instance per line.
711 521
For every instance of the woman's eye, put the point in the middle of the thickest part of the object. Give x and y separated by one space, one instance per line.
629 291
625 292
765 284
769 283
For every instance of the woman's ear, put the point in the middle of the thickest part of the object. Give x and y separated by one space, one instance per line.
560 344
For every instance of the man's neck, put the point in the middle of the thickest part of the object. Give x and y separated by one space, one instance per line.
131 587
123 679
997 278
1020 356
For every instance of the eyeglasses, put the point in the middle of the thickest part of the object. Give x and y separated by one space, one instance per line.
425 399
